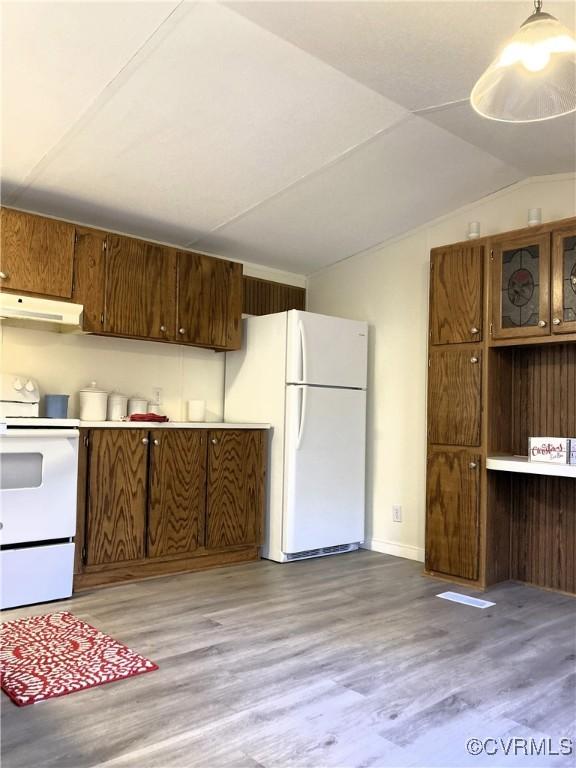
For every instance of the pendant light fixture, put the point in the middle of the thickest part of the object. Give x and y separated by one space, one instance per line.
534 77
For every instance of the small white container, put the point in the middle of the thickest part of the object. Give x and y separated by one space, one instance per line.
196 410
117 406
473 230
534 217
93 403
137 405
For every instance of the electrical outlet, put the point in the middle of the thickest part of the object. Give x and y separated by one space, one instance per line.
156 396
396 513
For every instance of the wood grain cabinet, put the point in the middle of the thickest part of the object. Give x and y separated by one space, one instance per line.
456 291
36 255
209 301
452 518
455 396
140 289
166 500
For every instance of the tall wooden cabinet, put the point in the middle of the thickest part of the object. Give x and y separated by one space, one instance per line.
502 368
155 501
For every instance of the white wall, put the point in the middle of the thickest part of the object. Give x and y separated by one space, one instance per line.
65 363
388 287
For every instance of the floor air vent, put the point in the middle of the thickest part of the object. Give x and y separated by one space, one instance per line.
321 551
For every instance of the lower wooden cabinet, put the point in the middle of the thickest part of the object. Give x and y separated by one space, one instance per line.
167 500
453 508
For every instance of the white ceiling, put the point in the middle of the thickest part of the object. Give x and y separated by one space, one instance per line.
292 134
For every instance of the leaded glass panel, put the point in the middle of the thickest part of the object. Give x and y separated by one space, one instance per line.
521 287
569 279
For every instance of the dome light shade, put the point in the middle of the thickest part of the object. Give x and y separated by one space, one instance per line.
534 77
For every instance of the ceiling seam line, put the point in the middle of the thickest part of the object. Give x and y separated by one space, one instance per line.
60 143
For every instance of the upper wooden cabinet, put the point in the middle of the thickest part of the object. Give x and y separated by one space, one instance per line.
140 293
265 297
37 254
455 396
452 513
456 282
89 276
521 286
564 281
209 301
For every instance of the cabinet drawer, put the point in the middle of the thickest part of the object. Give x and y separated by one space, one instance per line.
36 574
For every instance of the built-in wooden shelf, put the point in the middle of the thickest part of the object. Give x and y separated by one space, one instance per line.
508 463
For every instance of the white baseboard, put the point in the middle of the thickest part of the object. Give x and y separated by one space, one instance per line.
408 551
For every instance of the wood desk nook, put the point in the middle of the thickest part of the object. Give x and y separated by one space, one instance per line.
502 368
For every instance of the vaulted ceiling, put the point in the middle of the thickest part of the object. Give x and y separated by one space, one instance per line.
291 134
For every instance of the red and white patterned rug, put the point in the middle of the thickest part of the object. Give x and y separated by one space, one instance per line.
46 656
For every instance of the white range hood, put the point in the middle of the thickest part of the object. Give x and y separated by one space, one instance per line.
46 314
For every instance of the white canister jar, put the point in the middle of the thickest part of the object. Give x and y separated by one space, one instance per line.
117 406
137 405
93 403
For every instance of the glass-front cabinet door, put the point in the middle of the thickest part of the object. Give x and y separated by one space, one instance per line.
564 281
521 287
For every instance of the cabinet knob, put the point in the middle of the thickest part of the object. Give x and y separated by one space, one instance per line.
473 360
3 276
181 331
145 440
573 279
556 321
156 441
473 465
163 328
474 330
542 323
214 440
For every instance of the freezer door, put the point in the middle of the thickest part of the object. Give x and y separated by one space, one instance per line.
326 351
324 468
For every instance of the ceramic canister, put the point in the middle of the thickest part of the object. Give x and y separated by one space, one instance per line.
137 405
93 403
117 406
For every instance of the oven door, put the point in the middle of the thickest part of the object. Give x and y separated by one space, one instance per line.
38 481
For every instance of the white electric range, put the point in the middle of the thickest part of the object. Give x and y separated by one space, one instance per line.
38 483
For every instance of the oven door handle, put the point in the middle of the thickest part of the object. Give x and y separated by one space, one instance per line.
32 433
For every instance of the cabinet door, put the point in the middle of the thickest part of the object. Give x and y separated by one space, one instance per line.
456 282
89 276
564 282
453 504
455 396
116 508
209 301
177 491
235 491
140 289
521 287
37 254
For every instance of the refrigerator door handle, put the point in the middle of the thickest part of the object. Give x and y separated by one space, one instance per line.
302 350
302 416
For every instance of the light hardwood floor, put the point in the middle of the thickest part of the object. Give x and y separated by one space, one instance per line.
348 660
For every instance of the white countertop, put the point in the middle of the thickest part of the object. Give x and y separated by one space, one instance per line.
39 422
170 425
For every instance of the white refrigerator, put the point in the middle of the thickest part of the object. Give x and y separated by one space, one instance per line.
305 374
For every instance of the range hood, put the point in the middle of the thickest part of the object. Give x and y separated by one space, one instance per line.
45 314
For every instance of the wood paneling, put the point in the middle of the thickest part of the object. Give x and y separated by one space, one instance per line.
177 491
116 519
89 276
140 289
453 504
235 491
455 396
264 297
543 531
544 394
456 292
498 246
209 301
36 254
